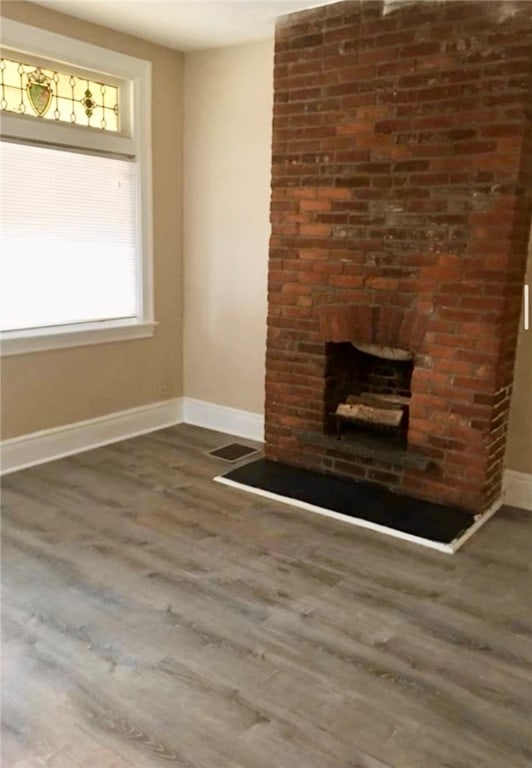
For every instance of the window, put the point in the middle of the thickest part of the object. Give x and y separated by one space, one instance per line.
75 193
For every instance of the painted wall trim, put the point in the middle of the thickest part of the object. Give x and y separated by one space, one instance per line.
49 444
518 489
221 418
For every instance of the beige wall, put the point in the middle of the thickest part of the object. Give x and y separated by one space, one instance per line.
228 113
519 446
48 389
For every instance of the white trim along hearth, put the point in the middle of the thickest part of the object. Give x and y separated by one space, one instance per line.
47 445
448 549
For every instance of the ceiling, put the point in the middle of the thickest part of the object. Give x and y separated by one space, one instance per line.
186 24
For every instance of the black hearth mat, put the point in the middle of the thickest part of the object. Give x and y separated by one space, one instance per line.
364 501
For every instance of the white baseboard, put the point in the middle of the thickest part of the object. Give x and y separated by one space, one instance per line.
224 419
518 489
49 444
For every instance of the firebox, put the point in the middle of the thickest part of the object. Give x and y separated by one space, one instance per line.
367 391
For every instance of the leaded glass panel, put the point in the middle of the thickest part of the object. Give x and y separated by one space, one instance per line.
41 92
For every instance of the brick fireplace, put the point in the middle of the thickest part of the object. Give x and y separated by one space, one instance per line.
401 201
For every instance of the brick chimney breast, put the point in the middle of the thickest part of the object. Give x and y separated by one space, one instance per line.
401 203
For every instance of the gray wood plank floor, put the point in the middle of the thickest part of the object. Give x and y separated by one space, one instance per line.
152 617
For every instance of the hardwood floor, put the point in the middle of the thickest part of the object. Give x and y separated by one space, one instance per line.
152 617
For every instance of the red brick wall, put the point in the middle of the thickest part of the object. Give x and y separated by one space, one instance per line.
402 173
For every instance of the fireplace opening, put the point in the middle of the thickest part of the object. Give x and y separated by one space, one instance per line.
367 392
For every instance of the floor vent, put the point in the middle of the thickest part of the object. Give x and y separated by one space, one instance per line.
233 452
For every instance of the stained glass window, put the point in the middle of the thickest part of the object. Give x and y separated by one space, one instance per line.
27 89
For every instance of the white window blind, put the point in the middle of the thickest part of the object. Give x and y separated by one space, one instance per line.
68 231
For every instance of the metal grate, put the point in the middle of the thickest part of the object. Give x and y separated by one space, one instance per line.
232 452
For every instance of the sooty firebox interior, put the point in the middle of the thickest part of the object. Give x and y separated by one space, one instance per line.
367 394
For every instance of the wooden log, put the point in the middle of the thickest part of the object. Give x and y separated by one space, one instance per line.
390 417
370 399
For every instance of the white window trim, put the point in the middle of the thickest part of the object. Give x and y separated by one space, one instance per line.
137 143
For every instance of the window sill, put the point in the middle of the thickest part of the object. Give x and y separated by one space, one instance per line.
61 337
